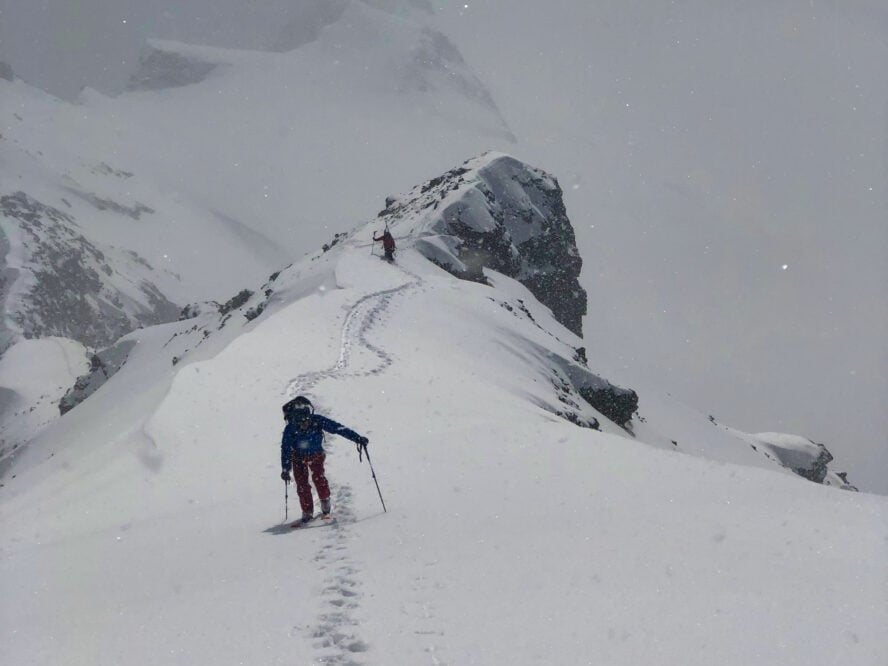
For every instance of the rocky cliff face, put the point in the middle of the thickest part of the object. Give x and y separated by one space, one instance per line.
499 213
56 282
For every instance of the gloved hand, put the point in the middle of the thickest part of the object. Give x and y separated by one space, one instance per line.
285 475
363 441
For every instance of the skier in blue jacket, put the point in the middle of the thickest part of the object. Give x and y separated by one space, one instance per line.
302 449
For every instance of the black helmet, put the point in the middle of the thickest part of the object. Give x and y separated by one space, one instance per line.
297 409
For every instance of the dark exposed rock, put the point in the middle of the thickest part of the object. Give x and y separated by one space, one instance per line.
135 212
6 72
235 301
807 458
190 311
70 282
496 212
160 69
103 366
616 403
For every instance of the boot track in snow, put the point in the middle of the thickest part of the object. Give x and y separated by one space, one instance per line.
333 636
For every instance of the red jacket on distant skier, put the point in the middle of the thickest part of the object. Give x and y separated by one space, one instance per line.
388 244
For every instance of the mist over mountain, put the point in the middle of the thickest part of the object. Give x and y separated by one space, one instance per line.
619 382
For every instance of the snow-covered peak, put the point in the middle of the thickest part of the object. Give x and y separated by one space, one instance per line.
310 17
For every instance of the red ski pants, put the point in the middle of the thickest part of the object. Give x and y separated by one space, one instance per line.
301 468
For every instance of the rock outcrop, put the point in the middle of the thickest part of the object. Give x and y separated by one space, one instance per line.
102 366
499 213
161 68
803 456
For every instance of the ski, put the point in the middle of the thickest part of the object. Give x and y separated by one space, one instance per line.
313 521
302 522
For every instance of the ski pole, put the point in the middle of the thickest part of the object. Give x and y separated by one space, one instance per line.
286 501
374 479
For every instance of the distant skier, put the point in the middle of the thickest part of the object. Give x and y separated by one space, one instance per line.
388 244
302 449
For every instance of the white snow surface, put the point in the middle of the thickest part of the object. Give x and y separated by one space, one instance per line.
34 375
147 525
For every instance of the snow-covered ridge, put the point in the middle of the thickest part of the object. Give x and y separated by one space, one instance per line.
467 393
505 217
522 232
492 219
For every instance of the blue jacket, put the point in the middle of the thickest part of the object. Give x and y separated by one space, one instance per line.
306 441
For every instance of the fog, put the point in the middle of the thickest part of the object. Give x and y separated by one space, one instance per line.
739 152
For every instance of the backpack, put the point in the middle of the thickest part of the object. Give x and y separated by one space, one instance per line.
297 408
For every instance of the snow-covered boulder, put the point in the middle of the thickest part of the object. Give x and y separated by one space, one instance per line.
497 212
803 456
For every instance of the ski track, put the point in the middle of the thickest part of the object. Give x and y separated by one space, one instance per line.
334 636
362 316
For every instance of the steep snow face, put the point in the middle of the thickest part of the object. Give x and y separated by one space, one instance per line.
92 247
34 375
167 196
309 17
210 173
299 144
499 213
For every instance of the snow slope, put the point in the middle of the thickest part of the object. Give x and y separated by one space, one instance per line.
732 251
725 168
145 526
220 165
217 168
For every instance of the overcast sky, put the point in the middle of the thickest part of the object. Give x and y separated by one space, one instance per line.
739 152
